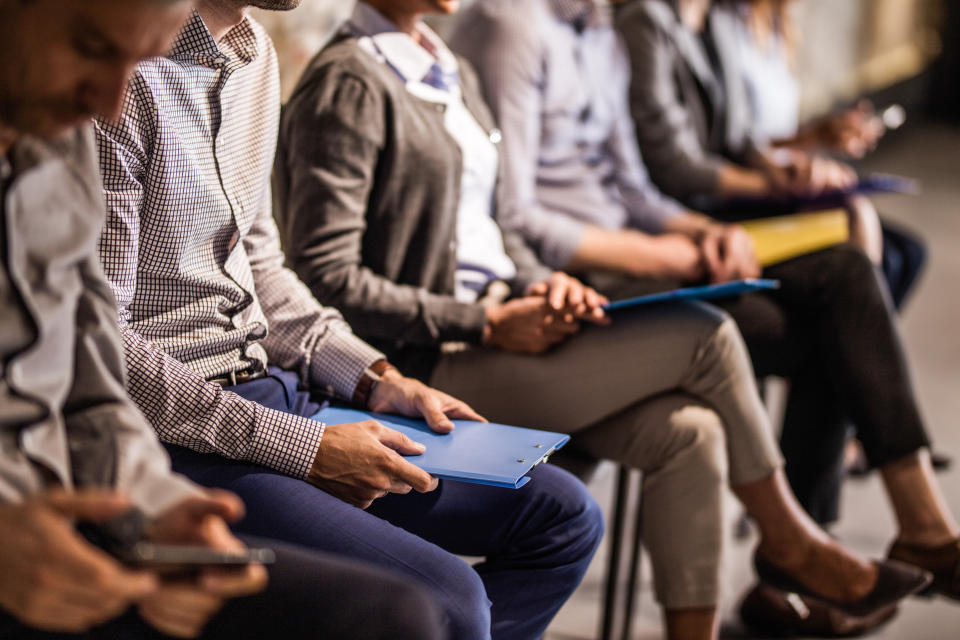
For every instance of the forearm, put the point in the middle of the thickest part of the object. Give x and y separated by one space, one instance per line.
186 410
631 252
740 182
691 224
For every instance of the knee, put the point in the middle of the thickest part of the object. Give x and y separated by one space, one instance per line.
701 443
851 266
461 601
412 614
574 518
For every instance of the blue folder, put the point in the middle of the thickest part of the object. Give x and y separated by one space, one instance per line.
707 292
477 452
877 183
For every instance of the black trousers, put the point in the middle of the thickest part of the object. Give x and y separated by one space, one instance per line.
830 329
310 595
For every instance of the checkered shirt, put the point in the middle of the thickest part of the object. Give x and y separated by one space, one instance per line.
194 257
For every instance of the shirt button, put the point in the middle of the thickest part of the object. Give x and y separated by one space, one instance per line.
495 136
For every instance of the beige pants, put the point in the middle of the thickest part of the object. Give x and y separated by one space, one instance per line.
668 390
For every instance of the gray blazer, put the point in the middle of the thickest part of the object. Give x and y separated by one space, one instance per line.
367 184
65 418
688 119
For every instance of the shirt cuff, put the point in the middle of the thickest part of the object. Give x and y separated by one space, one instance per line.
285 442
561 243
340 361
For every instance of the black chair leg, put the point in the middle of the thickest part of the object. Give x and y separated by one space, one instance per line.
634 575
613 556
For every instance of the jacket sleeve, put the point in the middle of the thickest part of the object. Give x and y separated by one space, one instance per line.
332 137
668 138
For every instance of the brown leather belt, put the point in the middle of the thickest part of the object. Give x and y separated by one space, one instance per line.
234 378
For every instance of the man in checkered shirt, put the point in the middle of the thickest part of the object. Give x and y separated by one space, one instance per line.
226 350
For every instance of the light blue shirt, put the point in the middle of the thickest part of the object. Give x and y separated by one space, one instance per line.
559 93
772 88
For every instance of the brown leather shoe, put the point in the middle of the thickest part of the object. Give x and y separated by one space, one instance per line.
895 581
943 562
773 613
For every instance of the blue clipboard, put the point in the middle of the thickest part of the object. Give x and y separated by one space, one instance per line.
707 292
876 183
477 452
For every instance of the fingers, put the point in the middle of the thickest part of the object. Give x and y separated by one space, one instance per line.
559 289
180 610
90 505
413 475
710 251
460 410
234 584
400 442
575 294
429 406
215 503
538 289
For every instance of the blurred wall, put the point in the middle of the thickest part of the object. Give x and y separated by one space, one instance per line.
852 46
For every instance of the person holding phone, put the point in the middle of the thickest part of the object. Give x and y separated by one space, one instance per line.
75 453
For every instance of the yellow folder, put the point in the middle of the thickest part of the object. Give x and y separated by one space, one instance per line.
784 237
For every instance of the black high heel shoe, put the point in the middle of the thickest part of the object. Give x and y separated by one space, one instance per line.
895 581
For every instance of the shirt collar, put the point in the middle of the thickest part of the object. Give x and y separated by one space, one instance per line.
195 43
410 60
29 152
580 14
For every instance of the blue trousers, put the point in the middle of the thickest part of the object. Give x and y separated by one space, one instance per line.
536 542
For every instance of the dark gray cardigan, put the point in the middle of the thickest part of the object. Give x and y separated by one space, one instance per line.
688 119
366 189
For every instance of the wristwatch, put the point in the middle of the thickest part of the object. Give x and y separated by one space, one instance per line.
368 382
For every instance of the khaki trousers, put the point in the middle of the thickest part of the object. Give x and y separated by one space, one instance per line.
665 389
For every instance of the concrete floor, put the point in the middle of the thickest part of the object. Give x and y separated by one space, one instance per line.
930 153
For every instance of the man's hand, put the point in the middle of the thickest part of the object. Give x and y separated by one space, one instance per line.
182 608
55 580
359 462
527 325
728 253
395 393
576 300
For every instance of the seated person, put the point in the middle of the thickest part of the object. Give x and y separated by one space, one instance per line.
556 76
74 447
386 182
705 132
765 42
227 353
